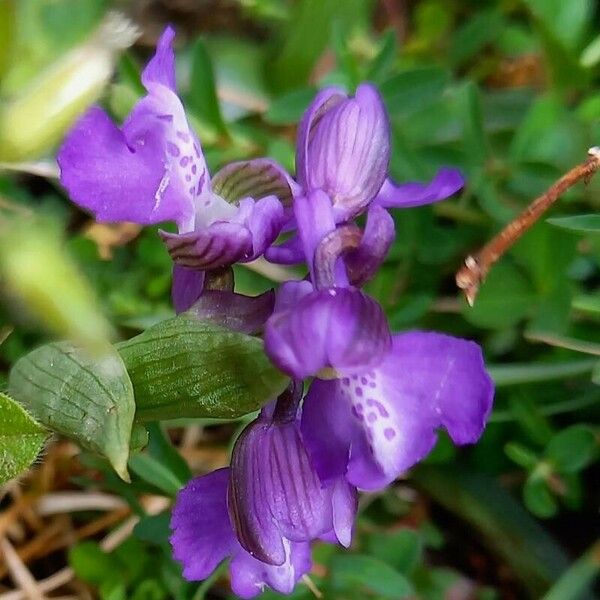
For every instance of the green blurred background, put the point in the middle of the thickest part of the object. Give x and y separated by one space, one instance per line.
506 90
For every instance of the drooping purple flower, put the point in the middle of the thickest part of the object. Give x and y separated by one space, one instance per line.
152 170
264 510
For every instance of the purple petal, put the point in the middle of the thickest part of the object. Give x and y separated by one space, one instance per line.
249 576
202 534
325 100
186 288
314 217
348 152
220 245
161 68
237 312
256 178
289 252
274 494
445 183
241 236
339 328
384 421
148 172
345 506
290 293
362 264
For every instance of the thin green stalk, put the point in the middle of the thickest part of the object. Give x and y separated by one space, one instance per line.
575 581
205 585
519 373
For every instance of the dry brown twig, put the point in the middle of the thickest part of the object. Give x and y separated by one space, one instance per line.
477 266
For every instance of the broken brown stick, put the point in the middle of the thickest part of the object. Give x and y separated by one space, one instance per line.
477 266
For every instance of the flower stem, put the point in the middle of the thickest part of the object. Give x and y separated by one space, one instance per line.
477 266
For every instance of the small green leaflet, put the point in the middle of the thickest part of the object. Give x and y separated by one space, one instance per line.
578 223
21 439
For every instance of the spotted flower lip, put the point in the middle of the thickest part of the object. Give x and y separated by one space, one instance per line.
374 426
152 170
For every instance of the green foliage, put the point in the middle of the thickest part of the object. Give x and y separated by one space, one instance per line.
21 439
506 91
88 397
219 373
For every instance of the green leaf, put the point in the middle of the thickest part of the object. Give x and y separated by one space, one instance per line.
288 108
155 473
501 522
87 397
538 498
521 455
21 439
92 564
410 91
400 549
481 29
370 574
578 223
183 367
505 298
203 98
572 449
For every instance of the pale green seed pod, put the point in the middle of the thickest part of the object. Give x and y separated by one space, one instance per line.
37 119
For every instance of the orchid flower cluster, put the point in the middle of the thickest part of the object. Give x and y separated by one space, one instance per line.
374 400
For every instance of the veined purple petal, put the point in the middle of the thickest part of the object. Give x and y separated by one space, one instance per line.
237 312
161 67
445 183
220 245
186 288
250 576
324 101
382 422
338 328
348 152
202 535
244 236
274 494
362 264
256 178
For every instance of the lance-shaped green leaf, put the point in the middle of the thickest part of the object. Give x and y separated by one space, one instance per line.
85 397
184 367
21 438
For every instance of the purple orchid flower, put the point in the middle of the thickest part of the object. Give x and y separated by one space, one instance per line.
264 510
152 170
378 398
342 152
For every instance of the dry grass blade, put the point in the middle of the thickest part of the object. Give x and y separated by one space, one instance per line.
19 572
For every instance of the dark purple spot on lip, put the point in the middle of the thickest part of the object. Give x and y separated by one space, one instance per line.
168 118
372 384
389 433
371 417
197 150
358 391
194 169
356 414
360 408
188 177
346 381
192 190
380 407
364 380
184 161
173 149
182 135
